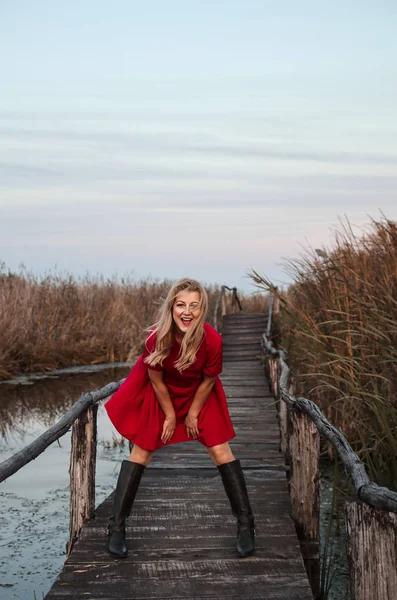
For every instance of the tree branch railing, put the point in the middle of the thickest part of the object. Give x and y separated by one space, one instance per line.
81 417
371 520
366 490
222 300
35 448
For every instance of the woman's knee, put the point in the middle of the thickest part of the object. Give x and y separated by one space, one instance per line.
140 455
221 454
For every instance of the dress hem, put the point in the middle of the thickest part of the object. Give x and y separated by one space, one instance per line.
171 443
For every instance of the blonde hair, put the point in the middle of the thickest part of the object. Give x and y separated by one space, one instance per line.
164 327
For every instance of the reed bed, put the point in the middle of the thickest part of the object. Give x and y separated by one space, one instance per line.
57 321
338 324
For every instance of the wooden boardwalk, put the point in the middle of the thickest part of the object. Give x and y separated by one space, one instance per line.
181 532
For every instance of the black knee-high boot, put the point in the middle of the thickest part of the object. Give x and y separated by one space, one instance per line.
236 490
127 486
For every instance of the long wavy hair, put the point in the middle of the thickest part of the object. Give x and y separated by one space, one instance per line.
165 327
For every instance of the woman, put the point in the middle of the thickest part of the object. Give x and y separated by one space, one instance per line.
173 394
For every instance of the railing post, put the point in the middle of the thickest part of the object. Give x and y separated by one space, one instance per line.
82 472
300 441
283 423
283 419
234 301
371 551
273 375
371 532
223 302
303 459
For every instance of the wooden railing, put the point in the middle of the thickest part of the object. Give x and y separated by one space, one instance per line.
82 418
371 521
224 300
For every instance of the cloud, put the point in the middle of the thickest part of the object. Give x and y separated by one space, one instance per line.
11 172
197 145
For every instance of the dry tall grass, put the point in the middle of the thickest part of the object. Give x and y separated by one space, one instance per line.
58 321
338 323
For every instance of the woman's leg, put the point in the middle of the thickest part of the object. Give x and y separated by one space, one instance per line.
234 483
127 486
221 454
140 456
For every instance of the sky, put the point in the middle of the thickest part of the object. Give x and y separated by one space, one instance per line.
201 139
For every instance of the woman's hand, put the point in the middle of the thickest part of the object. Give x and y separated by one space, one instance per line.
168 427
191 424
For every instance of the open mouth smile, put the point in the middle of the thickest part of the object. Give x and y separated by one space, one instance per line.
186 322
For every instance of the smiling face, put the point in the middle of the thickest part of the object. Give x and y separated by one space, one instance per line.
185 311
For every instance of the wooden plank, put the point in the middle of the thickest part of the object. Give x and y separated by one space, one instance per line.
242 330
233 337
241 374
372 574
250 367
245 317
240 355
100 582
142 570
244 391
241 364
237 357
82 472
243 343
204 548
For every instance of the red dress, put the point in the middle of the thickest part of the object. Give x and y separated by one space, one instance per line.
137 415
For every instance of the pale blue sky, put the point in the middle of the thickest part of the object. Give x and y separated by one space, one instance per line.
199 138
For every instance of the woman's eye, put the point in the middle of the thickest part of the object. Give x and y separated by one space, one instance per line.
192 307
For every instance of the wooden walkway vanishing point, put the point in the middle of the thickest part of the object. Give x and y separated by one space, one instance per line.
181 533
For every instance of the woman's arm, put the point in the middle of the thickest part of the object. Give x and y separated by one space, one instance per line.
163 397
200 398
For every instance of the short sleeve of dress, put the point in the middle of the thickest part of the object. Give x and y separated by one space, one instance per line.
150 345
213 362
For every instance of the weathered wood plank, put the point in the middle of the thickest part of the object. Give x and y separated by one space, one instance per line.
204 548
235 356
304 482
233 337
240 347
372 575
100 583
82 472
244 392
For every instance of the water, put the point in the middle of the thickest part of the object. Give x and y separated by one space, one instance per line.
34 514
335 553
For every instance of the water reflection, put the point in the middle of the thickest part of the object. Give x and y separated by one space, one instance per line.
38 406
35 500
